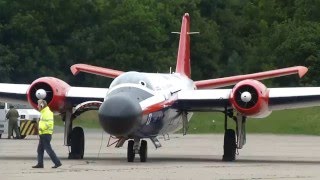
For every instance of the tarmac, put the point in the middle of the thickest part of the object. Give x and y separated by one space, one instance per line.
181 157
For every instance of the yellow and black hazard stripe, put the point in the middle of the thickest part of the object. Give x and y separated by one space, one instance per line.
28 127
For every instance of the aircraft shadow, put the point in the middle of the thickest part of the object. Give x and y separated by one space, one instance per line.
182 159
206 160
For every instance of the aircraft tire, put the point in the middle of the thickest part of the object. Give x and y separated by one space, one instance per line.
143 151
77 143
130 151
229 146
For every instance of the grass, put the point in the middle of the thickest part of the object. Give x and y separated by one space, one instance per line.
88 119
299 121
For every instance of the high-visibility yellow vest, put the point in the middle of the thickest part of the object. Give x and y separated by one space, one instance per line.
46 122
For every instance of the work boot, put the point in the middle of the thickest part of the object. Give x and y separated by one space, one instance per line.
57 165
37 166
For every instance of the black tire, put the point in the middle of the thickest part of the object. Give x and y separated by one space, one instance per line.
77 143
143 151
0 136
130 151
230 146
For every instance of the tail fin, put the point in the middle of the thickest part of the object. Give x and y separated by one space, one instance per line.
183 59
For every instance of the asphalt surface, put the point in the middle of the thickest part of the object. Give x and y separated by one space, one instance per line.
181 157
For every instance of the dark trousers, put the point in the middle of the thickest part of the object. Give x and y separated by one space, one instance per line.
13 126
44 144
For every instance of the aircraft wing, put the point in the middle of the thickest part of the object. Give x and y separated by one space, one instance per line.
18 93
15 93
203 100
218 99
106 72
227 81
78 95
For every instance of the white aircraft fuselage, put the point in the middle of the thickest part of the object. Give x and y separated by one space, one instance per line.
121 112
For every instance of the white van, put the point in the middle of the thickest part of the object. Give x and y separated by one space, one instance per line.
27 122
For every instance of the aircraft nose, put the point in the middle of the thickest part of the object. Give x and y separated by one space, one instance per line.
120 114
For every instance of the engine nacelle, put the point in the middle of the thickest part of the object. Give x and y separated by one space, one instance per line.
55 92
250 98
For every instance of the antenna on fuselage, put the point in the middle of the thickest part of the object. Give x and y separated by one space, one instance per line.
190 33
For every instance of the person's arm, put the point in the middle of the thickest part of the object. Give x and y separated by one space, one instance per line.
7 115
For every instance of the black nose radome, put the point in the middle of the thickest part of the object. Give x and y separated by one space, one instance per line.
120 114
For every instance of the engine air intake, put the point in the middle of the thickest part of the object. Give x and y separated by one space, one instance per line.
246 96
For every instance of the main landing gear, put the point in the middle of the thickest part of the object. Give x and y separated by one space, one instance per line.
233 140
137 147
77 143
73 137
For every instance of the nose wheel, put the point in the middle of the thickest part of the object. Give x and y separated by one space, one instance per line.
130 152
143 151
137 147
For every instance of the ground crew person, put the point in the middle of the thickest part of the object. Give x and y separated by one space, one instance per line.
45 132
13 116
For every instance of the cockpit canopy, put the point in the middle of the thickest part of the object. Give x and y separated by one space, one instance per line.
132 77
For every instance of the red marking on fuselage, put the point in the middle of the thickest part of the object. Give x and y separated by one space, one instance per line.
159 106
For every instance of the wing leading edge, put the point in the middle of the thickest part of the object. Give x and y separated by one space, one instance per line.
218 99
17 94
14 93
110 73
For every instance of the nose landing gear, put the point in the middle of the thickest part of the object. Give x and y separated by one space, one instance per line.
137 147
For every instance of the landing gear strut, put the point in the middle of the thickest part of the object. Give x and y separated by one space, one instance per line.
241 130
75 137
233 140
137 147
